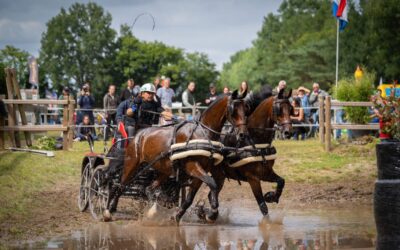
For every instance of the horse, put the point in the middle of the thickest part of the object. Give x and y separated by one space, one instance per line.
155 143
263 115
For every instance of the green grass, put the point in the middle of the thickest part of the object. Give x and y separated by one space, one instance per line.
23 174
307 162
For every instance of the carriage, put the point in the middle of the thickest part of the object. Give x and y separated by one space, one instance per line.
96 182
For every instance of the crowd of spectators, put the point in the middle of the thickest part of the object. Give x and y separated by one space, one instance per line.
305 102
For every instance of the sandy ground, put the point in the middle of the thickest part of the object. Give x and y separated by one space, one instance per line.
55 211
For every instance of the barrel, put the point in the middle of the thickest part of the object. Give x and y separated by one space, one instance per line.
387 196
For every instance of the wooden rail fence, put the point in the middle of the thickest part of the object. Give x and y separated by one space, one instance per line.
66 127
325 118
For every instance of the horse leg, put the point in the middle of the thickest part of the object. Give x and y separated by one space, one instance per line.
274 196
219 177
255 185
194 187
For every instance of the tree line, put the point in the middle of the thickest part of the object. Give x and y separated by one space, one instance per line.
80 46
298 44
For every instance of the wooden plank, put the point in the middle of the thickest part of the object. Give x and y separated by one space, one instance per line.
39 101
34 128
351 104
321 119
11 113
327 123
356 126
20 106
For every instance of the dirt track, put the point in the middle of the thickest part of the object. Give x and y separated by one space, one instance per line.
55 211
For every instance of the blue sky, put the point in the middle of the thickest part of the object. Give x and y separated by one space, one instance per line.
217 28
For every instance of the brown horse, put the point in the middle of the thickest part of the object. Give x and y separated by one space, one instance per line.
260 125
155 143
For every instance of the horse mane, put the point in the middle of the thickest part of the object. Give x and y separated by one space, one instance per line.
253 100
210 106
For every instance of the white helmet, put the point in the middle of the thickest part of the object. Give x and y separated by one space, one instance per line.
148 87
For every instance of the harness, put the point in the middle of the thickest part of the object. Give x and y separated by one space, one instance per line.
252 152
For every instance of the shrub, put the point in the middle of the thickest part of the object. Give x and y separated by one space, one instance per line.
350 89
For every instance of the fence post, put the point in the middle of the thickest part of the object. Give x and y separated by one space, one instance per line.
65 124
327 123
12 121
321 117
21 109
71 109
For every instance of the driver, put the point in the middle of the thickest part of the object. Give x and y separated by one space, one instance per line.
141 111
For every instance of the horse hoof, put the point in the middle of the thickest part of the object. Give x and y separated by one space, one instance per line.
211 218
107 216
270 197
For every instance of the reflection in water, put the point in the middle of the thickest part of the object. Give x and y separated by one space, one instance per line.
311 229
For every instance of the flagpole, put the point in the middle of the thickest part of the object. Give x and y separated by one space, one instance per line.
337 52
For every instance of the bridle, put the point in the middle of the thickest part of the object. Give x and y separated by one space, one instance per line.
229 111
276 112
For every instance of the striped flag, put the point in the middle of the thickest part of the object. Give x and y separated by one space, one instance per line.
339 10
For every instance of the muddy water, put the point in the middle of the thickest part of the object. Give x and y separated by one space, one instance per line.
238 228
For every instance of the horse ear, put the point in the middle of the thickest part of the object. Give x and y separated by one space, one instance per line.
280 95
289 94
234 94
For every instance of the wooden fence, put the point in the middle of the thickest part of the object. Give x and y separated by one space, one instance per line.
325 118
13 127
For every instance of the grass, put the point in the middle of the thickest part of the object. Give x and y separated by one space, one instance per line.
24 174
307 162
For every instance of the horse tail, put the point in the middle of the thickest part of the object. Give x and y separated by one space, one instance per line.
194 169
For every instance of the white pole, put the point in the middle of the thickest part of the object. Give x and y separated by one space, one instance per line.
337 53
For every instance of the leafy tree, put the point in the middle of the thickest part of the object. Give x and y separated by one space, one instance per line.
11 57
79 46
141 60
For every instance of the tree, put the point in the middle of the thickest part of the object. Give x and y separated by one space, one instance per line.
79 47
12 57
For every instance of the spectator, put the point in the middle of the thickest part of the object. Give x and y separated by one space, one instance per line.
226 91
86 102
188 100
303 93
131 90
244 86
110 104
166 94
157 83
314 103
281 85
212 95
298 119
85 129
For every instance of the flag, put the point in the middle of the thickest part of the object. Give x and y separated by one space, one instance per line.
340 10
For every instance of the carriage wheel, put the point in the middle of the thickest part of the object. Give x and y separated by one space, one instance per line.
83 197
98 194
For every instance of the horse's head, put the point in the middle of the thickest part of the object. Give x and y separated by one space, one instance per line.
236 113
282 109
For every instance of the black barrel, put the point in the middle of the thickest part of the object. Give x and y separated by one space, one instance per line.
387 196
